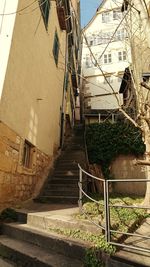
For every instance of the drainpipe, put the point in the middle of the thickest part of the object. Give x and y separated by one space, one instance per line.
63 96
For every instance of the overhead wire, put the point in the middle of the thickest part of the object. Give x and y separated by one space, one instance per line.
2 17
20 10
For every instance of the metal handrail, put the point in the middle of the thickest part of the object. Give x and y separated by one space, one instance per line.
129 207
89 219
130 247
97 202
92 176
107 207
129 234
129 180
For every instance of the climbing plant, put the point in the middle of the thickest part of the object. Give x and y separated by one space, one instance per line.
105 141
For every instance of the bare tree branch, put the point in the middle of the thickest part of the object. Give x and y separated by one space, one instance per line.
130 119
144 84
142 162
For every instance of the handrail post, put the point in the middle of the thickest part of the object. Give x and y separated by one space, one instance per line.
108 210
105 208
80 192
107 213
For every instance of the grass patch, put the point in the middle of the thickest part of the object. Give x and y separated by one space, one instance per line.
97 241
121 219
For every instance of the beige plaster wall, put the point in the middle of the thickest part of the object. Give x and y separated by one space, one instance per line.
33 87
123 167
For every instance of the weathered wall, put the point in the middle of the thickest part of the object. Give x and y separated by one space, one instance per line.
32 92
123 167
31 101
6 32
18 183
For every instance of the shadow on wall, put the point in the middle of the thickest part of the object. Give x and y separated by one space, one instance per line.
123 168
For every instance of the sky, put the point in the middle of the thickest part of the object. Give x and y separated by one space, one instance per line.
88 9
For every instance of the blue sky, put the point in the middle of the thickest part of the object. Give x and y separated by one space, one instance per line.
88 9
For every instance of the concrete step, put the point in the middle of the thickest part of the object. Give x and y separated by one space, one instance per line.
6 263
64 193
25 254
64 177
61 218
63 173
65 180
74 155
57 199
67 161
67 166
73 147
45 240
62 187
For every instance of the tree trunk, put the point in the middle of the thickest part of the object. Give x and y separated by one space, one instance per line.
147 142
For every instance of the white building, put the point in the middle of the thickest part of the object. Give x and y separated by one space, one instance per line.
105 57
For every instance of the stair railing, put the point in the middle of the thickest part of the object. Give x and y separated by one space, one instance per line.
83 193
107 205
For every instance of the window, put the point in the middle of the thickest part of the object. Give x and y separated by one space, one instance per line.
122 56
119 79
99 59
120 35
109 79
91 42
117 14
88 62
56 48
99 40
105 17
146 77
45 8
27 154
125 6
107 58
94 60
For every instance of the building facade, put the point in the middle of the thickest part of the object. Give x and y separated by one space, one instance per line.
136 84
33 49
105 55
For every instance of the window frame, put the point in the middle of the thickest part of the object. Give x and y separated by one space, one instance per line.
117 14
45 6
56 47
105 17
122 56
109 79
27 155
107 58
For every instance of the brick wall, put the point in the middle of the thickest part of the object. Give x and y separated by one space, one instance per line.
18 183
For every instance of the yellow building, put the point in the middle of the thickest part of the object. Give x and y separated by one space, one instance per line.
33 52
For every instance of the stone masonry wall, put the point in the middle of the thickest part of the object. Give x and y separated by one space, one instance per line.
18 183
123 168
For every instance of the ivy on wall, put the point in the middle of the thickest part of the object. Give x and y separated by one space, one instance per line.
105 141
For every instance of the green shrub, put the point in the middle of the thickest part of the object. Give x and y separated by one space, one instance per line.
8 215
105 141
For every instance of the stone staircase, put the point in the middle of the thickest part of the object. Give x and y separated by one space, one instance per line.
22 245
62 185
29 242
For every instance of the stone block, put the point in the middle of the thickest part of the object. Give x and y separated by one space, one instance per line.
6 163
7 133
18 139
3 146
